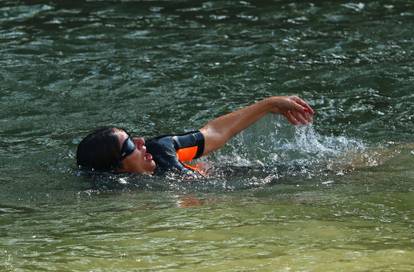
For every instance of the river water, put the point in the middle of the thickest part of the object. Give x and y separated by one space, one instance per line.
336 195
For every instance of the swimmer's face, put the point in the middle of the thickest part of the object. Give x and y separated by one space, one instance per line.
139 161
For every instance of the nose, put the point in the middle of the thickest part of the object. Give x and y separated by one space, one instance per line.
139 142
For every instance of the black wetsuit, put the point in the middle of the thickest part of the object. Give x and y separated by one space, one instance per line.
170 151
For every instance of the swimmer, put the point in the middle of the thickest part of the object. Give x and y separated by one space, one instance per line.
112 149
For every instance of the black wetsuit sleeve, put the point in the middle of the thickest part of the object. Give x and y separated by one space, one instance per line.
169 151
189 146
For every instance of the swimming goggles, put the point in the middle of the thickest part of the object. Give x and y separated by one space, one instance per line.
127 148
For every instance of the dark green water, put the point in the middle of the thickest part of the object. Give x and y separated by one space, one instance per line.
336 196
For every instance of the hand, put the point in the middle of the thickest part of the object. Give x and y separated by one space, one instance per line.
296 110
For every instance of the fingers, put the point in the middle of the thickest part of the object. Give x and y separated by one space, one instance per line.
301 118
305 105
296 110
289 116
298 118
299 108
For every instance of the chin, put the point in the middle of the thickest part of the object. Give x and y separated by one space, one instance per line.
151 167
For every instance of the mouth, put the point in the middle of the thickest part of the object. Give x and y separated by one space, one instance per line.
148 157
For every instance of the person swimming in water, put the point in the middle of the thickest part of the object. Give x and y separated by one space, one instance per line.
112 149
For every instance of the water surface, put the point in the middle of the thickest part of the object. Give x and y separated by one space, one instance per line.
337 195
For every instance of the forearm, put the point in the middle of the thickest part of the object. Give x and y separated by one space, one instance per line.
220 130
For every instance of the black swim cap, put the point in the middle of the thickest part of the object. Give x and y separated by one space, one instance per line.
99 151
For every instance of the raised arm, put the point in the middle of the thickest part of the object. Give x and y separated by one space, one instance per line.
220 130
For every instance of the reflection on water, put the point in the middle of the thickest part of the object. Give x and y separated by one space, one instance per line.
337 195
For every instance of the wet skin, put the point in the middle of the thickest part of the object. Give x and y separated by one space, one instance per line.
139 161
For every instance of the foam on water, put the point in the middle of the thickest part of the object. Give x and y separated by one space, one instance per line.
277 147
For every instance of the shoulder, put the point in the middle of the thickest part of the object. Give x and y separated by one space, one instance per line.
160 140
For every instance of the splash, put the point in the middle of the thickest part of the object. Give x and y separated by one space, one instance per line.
311 145
280 149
